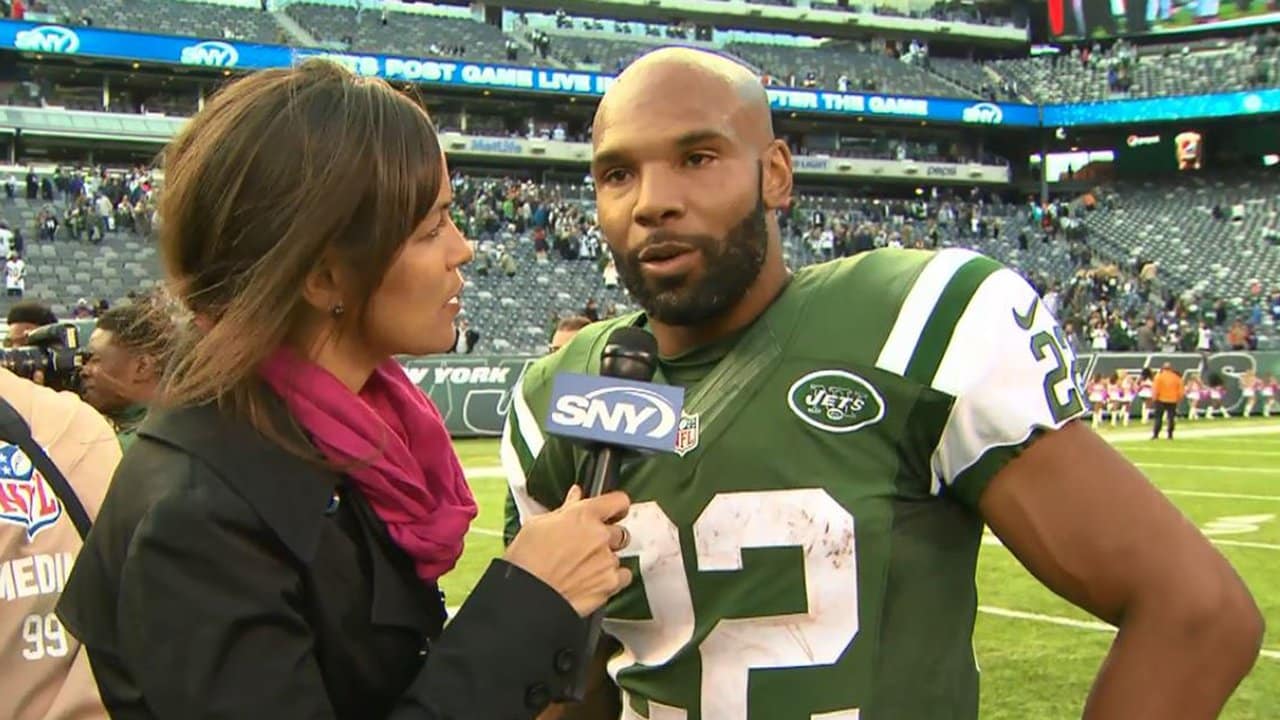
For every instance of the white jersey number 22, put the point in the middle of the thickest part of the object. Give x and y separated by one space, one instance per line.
732 522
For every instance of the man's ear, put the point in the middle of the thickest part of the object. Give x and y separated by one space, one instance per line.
776 178
145 369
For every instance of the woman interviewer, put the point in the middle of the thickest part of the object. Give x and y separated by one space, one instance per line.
269 548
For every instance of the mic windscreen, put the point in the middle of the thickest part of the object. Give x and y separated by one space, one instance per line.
630 353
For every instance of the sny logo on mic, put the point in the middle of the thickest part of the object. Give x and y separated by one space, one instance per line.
615 411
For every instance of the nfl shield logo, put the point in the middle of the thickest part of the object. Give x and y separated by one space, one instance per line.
687 434
25 498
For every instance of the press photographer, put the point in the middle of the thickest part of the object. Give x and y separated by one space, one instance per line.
124 364
47 355
23 318
46 671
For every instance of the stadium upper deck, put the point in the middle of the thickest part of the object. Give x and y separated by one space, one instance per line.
879 60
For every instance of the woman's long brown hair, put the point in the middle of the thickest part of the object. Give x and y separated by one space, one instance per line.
281 169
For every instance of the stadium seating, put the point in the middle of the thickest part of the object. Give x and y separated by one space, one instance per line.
61 272
1174 225
173 18
409 34
601 52
1218 66
828 62
972 77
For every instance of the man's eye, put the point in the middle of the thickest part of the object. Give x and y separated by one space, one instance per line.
616 175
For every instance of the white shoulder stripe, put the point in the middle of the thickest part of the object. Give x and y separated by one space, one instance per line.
962 362
530 431
998 381
918 307
526 506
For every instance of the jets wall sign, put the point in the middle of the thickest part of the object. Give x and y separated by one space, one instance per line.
474 391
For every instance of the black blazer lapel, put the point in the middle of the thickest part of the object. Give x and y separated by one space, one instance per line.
400 597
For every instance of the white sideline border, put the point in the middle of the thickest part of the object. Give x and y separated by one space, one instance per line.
1192 433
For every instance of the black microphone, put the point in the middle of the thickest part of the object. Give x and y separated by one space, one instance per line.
630 354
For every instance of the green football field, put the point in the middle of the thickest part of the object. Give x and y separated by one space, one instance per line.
1038 654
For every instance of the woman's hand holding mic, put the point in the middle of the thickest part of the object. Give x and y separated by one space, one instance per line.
573 548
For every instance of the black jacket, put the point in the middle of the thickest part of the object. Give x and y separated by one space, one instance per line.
227 578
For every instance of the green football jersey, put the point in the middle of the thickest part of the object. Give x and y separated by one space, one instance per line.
809 551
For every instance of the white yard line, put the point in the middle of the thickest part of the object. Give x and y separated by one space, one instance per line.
486 531
990 539
490 472
1073 623
1231 496
1245 543
1164 449
1192 433
1213 468
1051 619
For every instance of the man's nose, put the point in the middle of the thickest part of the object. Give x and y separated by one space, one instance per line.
660 199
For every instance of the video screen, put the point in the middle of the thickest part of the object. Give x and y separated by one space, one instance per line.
1070 19
1188 150
1141 155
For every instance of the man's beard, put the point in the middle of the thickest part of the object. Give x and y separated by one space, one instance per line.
730 266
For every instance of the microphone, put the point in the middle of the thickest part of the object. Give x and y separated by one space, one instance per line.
631 354
614 413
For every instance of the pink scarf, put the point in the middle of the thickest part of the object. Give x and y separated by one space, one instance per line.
404 463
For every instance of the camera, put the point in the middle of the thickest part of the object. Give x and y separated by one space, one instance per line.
51 349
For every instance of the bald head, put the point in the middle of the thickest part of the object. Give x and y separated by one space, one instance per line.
674 74
688 175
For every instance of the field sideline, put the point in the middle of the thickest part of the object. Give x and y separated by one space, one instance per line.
1038 653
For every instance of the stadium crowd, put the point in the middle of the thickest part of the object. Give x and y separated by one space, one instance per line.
520 225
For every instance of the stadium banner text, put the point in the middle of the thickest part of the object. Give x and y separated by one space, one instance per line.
473 392
78 41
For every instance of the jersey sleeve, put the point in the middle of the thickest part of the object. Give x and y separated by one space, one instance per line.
539 470
1008 366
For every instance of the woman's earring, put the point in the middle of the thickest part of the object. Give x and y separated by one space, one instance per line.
337 310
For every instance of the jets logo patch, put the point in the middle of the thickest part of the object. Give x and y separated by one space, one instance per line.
836 401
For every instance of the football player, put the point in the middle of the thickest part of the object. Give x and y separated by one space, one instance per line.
809 551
